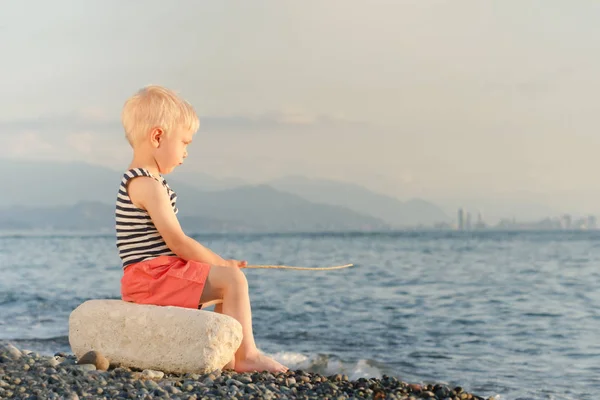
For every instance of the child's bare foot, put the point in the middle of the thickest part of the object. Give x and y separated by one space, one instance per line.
259 363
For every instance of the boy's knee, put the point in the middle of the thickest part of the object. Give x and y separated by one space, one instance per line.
239 278
235 279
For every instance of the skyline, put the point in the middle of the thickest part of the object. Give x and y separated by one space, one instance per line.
475 105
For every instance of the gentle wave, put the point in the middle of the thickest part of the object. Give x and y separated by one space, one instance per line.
330 365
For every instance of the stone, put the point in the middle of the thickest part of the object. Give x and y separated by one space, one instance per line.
96 358
415 387
10 351
164 338
151 374
53 362
86 367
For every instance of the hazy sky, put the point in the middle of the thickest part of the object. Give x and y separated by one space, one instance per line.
458 102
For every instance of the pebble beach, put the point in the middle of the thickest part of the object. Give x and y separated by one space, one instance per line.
29 375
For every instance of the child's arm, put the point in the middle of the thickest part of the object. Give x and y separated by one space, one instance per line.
150 195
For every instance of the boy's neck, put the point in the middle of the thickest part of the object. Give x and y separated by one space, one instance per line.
145 161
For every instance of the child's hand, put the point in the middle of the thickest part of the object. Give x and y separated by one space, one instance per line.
237 264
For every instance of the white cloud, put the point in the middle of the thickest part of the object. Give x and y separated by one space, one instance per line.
296 116
81 143
91 113
27 144
286 120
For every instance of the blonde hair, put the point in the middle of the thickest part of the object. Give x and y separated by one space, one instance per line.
156 107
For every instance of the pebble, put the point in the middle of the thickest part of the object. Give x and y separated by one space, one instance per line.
231 382
10 351
151 374
64 377
94 357
86 367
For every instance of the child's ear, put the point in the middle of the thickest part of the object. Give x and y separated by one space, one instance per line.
156 135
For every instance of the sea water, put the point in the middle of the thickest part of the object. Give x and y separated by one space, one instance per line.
507 314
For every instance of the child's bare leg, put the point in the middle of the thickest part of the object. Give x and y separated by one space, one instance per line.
230 284
230 364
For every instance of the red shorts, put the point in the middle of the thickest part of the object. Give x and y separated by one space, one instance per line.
165 281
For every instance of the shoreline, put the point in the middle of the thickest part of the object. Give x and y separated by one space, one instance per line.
25 374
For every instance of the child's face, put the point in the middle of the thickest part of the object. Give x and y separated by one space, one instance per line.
172 150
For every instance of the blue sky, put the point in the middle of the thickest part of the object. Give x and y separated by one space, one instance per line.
453 101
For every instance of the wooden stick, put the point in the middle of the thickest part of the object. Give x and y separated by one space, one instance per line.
299 268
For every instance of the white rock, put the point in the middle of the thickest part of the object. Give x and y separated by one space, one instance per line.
169 339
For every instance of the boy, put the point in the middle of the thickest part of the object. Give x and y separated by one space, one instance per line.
163 266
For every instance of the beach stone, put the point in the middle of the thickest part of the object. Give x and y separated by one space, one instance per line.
415 387
53 362
151 374
96 358
86 367
170 339
10 351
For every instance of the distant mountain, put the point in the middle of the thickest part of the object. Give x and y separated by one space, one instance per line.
90 216
389 209
238 210
52 195
265 208
203 181
48 183
54 183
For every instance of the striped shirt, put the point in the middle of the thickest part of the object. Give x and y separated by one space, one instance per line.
137 237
